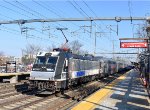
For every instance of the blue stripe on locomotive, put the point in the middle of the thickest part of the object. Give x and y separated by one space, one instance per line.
80 73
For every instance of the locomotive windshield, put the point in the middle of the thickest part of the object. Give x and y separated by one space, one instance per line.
45 63
40 60
51 60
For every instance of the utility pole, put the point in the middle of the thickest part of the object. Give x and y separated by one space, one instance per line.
91 29
113 47
147 74
26 30
113 41
88 27
95 40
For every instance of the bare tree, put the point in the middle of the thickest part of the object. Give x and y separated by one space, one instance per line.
1 53
50 48
32 49
29 53
83 52
75 46
141 31
2 58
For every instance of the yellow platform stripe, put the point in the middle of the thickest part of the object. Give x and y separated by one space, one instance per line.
94 100
14 74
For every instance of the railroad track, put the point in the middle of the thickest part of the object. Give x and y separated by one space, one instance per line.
8 86
7 90
29 101
82 93
12 90
16 98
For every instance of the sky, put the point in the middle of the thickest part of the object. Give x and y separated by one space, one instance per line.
45 34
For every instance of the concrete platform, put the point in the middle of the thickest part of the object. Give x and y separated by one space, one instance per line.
125 93
13 77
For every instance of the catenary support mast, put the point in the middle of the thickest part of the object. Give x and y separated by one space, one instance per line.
118 19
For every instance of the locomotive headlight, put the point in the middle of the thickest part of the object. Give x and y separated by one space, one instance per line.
35 69
30 78
49 69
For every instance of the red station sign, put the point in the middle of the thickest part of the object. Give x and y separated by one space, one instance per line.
133 45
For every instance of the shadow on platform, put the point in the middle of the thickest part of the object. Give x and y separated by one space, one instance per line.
129 94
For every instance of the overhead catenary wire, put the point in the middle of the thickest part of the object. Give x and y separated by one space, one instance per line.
29 9
125 18
41 5
18 33
84 14
63 14
87 16
50 6
88 37
14 11
95 48
29 36
40 15
6 16
19 12
93 13
76 8
89 8
20 8
101 22
129 5
10 31
91 22
46 8
130 11
49 10
81 9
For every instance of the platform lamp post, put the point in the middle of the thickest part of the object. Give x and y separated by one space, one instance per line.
147 74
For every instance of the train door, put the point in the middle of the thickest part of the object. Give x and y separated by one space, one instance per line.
101 68
65 73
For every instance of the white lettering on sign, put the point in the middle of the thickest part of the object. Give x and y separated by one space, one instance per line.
133 45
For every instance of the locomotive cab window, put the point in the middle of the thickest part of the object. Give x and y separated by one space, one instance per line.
40 60
43 63
51 63
51 60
